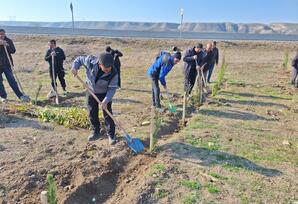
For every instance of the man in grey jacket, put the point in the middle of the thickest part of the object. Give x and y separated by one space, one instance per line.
102 78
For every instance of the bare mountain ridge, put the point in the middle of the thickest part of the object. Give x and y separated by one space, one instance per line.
249 28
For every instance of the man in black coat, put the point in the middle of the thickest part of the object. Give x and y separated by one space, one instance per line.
5 67
59 58
116 54
295 70
215 57
192 58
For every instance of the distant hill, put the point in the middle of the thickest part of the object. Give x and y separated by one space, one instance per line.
251 28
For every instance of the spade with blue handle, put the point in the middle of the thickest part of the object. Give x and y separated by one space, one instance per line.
134 144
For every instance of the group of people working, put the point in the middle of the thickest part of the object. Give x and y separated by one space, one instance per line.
103 75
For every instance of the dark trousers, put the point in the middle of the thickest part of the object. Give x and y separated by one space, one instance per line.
93 114
155 93
294 75
11 80
210 71
190 80
60 74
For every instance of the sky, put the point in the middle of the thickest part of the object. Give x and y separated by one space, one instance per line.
236 11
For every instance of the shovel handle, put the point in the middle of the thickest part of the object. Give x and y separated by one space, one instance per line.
100 103
11 66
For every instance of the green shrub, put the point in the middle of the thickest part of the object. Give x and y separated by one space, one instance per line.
52 190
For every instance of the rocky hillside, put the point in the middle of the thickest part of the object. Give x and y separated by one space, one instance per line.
252 28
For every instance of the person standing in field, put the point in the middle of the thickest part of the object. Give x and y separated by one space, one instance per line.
294 80
102 78
116 54
215 58
59 58
158 71
5 67
192 58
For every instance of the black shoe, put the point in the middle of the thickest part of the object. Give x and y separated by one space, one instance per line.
112 140
94 136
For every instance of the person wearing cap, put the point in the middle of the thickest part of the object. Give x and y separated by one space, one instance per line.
192 58
158 71
59 58
5 67
116 54
214 60
102 78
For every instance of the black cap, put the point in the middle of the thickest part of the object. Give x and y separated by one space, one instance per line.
177 55
2 30
106 59
108 49
199 45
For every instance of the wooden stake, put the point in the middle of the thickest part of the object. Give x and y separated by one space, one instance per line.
152 128
184 108
44 197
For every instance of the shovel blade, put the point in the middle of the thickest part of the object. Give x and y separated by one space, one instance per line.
134 144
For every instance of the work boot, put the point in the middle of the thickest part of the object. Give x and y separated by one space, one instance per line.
112 140
51 94
25 98
94 136
65 92
3 100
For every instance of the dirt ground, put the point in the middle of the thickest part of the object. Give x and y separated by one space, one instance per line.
241 146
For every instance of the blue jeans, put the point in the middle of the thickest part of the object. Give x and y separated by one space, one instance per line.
211 68
11 80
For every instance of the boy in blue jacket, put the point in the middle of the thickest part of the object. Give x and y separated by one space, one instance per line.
158 71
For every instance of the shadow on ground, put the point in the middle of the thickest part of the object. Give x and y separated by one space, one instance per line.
233 114
206 157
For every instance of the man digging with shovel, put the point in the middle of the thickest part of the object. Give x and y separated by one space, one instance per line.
157 72
7 48
102 79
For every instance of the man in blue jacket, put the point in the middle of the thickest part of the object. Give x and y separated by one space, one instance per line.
158 71
102 78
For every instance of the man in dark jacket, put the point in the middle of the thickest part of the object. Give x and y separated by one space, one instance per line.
295 70
192 58
59 58
215 57
158 71
116 54
102 78
6 68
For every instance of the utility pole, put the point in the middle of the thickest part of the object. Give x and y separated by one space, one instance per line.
181 22
71 8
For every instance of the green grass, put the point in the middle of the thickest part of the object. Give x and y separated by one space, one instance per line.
192 185
191 198
160 192
212 188
220 78
216 175
285 63
156 168
210 144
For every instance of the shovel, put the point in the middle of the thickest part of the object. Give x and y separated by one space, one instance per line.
54 79
134 144
11 66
